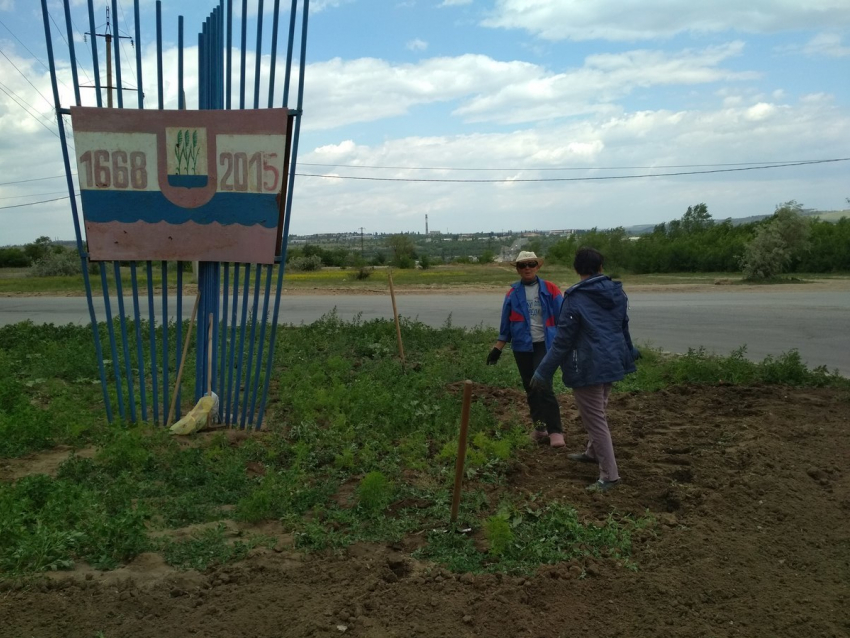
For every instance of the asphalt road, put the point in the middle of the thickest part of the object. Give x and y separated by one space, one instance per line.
816 323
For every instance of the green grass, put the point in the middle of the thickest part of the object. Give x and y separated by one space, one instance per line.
357 449
440 277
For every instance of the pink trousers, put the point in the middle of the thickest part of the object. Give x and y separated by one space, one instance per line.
591 402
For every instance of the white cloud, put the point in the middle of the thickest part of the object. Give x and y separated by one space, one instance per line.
417 45
318 6
827 45
629 20
763 132
455 3
343 92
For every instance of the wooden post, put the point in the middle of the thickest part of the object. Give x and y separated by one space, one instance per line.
461 448
182 359
395 316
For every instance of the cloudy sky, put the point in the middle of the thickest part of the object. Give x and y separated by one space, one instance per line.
493 114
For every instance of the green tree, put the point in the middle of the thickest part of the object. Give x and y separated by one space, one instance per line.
38 249
776 243
487 256
13 258
403 250
696 219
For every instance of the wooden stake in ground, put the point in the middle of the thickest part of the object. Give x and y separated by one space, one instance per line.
395 316
182 359
461 448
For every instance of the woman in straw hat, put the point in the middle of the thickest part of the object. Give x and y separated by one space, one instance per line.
529 317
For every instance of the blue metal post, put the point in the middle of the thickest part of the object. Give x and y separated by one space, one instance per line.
152 331
159 80
288 213
165 357
77 231
116 368
71 53
242 63
228 87
95 66
228 413
178 327
181 94
139 88
259 55
116 41
137 320
275 16
122 321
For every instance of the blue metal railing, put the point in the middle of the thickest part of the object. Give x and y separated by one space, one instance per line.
139 374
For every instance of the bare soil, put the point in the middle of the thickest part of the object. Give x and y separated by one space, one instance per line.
750 487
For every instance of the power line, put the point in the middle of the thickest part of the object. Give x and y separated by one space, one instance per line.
59 31
34 194
15 99
27 79
555 168
34 179
37 59
491 181
45 201
576 179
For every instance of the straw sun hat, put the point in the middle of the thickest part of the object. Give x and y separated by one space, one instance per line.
527 255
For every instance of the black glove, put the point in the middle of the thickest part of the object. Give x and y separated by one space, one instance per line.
493 357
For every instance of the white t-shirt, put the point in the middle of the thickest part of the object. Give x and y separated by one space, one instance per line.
535 312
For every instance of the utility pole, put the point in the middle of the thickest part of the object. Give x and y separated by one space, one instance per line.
361 241
107 35
426 224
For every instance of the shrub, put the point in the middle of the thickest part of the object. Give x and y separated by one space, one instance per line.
57 264
374 492
306 264
497 531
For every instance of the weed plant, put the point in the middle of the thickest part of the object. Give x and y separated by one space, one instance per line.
356 448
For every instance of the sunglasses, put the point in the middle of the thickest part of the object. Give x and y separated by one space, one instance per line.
527 264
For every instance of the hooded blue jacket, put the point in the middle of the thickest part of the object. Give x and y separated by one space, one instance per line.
592 344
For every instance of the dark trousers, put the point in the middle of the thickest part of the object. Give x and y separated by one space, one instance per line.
542 403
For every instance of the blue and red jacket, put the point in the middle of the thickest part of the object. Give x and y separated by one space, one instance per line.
516 323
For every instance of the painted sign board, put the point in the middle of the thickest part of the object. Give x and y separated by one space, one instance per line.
182 185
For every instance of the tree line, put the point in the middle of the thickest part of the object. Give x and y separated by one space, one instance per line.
786 242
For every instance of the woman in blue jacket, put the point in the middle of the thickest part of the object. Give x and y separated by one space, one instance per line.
594 349
529 314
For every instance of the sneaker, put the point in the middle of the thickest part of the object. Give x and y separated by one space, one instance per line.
582 458
602 486
539 436
556 439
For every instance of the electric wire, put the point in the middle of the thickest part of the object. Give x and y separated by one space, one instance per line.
121 44
34 179
14 96
45 201
34 194
23 75
575 179
64 39
35 57
552 168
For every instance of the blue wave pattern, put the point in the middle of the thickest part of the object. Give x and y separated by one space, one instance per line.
245 209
